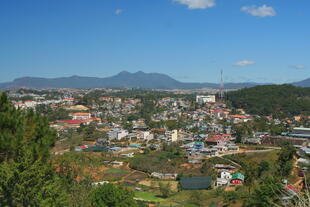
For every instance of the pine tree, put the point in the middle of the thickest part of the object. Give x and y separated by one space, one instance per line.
27 178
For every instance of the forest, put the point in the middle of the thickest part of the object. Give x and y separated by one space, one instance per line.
277 100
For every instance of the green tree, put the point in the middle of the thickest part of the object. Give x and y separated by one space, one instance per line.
165 189
250 175
285 160
265 194
26 175
230 197
263 166
110 195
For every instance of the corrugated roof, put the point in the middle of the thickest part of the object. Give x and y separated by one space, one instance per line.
196 183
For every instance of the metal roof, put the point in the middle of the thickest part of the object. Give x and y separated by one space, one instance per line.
196 183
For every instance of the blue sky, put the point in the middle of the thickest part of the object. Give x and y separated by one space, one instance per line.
190 40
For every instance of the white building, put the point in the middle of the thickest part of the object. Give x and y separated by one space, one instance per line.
79 116
30 104
221 182
174 135
146 135
117 134
121 134
205 99
226 175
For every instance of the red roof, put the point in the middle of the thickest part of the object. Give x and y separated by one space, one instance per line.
73 122
238 116
215 138
69 99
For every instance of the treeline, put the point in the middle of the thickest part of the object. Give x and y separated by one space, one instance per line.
277 100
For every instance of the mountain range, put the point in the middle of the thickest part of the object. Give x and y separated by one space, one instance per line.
123 79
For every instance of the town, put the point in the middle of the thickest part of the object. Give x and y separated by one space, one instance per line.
169 147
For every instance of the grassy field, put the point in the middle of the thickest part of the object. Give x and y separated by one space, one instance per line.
270 157
117 171
148 196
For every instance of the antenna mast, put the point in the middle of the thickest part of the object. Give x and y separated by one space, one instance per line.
222 87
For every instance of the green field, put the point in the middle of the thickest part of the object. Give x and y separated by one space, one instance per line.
147 196
116 171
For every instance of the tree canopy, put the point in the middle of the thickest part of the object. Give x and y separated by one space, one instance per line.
109 195
26 176
277 100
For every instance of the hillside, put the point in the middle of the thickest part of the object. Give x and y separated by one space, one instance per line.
303 83
285 100
122 79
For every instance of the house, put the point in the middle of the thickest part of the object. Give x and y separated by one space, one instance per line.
253 141
221 182
198 145
237 179
127 155
224 167
173 135
205 99
117 134
220 148
232 147
69 101
209 152
304 151
117 163
239 118
107 99
145 135
73 123
80 116
30 103
216 140
102 142
225 175
196 183
167 176
100 183
303 161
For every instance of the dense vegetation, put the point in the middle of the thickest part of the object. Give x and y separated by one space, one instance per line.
27 175
277 100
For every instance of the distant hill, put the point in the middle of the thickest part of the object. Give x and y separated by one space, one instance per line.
278 100
304 83
122 79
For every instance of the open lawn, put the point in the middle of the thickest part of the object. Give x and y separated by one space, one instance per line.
148 196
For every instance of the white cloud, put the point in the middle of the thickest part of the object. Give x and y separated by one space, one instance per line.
262 11
197 4
297 66
244 63
118 11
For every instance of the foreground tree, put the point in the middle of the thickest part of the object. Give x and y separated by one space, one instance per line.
26 175
109 195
